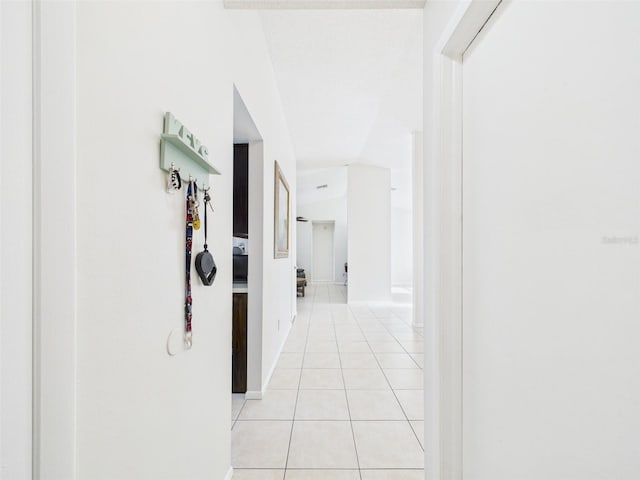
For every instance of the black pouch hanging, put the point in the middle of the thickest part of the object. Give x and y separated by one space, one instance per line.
205 264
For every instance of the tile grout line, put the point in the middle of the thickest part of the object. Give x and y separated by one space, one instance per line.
394 390
244 402
353 433
322 309
295 407
396 339
391 386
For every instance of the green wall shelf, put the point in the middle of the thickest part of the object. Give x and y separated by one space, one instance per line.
180 147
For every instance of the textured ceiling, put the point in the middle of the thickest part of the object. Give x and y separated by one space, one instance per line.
317 4
351 86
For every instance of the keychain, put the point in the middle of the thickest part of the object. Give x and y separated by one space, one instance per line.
205 264
174 182
194 207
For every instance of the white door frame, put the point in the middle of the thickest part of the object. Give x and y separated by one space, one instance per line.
333 250
54 240
16 239
443 246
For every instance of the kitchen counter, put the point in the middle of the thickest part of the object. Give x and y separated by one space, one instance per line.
240 288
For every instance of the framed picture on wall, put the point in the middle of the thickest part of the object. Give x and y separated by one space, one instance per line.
281 214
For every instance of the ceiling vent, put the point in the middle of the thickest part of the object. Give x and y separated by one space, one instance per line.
322 186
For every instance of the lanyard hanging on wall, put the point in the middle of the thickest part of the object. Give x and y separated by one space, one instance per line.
190 210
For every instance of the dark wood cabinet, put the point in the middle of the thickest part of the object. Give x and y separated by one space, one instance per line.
239 342
241 190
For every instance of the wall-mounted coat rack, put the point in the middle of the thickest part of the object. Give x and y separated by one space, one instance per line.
182 153
180 147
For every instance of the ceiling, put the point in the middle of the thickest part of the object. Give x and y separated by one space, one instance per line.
351 86
322 184
288 4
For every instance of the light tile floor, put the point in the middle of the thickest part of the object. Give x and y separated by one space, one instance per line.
345 401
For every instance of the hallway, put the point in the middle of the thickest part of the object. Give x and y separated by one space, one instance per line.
345 401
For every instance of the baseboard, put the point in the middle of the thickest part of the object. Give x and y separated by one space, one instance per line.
229 474
376 303
273 367
259 394
255 395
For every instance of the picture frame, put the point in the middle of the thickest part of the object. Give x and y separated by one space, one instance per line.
281 215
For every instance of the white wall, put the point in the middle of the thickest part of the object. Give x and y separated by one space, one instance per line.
141 413
401 247
369 233
15 239
552 304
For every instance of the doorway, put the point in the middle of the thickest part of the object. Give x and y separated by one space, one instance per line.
247 251
323 268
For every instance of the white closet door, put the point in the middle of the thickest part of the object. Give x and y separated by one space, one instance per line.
551 259
323 263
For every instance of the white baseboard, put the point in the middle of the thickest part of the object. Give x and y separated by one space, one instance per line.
273 367
375 303
258 395
229 474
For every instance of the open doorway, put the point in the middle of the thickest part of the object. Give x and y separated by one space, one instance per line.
247 253
240 266
322 237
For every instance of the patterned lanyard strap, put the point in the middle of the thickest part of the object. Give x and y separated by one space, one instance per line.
191 205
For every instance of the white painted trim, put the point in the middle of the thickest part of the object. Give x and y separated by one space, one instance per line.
417 203
229 474
16 239
259 394
253 395
379 303
255 278
265 385
464 26
54 252
443 247
323 4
